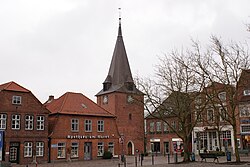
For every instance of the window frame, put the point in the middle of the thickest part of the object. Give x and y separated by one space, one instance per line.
61 148
100 149
27 150
3 121
40 122
29 122
16 123
88 125
74 125
100 126
39 149
16 100
74 153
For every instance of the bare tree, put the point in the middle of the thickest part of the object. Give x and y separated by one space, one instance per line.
172 95
223 64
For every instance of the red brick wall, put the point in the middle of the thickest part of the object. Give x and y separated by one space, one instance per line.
133 130
29 106
62 128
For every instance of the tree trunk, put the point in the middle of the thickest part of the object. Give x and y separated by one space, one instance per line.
186 157
237 156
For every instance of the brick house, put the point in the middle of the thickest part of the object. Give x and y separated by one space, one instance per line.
79 129
120 97
163 124
244 110
24 123
212 131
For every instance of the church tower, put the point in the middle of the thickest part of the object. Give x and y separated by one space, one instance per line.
120 97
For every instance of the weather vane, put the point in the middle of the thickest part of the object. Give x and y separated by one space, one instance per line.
119 13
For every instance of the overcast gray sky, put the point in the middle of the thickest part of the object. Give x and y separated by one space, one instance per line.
54 46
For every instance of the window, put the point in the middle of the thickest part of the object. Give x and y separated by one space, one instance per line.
28 122
130 99
244 111
158 126
61 150
210 115
198 100
40 123
74 125
246 92
15 122
111 147
88 125
245 129
3 118
198 115
27 149
39 149
100 126
74 150
180 126
173 124
16 100
225 138
222 96
130 116
152 127
223 114
165 127
100 148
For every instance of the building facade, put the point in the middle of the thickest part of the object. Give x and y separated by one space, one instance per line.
244 110
79 129
23 125
120 97
212 131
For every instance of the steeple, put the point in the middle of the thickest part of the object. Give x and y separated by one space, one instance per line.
119 77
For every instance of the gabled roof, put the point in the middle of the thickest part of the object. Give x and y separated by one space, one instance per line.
76 104
12 86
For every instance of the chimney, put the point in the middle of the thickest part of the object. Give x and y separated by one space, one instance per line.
51 98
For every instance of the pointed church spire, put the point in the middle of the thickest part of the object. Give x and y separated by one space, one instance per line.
119 77
120 27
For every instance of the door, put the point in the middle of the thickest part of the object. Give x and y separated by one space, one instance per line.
14 152
87 151
166 147
129 148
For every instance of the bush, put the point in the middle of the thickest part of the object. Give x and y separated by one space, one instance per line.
107 155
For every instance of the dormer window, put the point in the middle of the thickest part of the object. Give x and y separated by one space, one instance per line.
246 92
16 100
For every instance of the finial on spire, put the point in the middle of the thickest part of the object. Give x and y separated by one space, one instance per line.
120 15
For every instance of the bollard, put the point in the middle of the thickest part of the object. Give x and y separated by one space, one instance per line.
135 161
175 158
125 164
152 159
119 164
168 158
141 159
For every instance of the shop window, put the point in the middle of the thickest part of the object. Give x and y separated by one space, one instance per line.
3 119
27 149
100 148
39 149
28 122
111 147
61 150
74 150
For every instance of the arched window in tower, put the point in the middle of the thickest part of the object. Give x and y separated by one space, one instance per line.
130 116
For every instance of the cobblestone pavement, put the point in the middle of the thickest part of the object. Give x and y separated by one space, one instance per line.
159 161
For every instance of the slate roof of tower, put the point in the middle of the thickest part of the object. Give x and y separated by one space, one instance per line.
76 104
119 71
